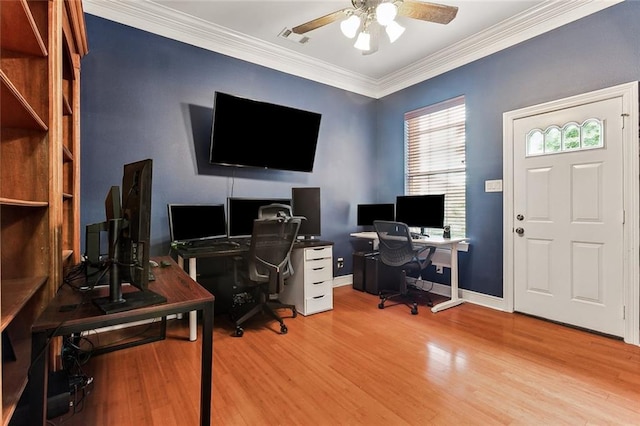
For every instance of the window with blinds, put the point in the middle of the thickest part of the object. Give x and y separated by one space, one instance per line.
435 157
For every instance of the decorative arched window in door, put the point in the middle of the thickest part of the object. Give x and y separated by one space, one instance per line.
568 138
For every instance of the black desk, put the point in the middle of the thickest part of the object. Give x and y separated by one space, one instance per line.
183 295
192 255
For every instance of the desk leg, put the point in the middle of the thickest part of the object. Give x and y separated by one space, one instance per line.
38 379
181 265
455 299
193 315
206 372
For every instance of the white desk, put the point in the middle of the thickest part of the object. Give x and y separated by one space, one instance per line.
449 243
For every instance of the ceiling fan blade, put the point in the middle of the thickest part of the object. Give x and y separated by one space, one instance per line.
432 12
320 22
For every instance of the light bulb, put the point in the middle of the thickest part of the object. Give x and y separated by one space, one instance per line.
386 13
362 42
350 26
394 31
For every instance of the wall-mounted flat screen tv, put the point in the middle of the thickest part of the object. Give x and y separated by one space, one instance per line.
250 133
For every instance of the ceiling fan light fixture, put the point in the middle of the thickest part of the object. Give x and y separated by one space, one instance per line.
394 31
350 26
386 13
363 41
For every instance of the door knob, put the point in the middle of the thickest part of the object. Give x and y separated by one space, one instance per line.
520 217
519 231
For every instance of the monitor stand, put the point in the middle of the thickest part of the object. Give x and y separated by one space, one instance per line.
116 301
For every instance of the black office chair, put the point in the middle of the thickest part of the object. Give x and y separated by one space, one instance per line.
269 254
276 210
397 250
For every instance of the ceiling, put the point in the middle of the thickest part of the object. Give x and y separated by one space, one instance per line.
250 30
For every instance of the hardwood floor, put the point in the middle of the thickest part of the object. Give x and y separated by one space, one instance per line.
359 365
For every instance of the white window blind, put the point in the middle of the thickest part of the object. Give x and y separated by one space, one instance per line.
435 157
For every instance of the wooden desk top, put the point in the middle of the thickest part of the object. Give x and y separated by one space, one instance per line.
183 295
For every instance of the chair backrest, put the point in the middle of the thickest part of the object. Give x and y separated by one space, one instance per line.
270 250
274 210
394 243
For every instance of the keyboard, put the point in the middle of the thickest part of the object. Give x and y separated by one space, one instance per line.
416 236
205 245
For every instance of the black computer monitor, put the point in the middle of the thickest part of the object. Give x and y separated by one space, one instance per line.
367 213
129 241
421 211
188 222
306 202
241 213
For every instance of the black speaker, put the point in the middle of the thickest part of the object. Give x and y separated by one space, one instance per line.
306 202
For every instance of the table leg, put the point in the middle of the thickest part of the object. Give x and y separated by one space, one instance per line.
455 299
206 374
193 315
38 378
181 265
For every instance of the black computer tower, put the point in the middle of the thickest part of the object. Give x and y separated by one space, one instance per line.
379 276
359 269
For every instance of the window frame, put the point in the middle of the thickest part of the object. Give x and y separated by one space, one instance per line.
438 124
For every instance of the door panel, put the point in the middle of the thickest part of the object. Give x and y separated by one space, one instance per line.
568 255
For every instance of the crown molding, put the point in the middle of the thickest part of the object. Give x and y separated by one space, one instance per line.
160 20
524 26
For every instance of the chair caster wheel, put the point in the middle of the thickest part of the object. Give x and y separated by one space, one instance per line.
380 305
283 329
239 332
414 311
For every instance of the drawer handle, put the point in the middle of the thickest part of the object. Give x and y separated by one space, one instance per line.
318 269
319 297
319 282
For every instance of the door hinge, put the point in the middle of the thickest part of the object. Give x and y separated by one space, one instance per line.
624 312
623 115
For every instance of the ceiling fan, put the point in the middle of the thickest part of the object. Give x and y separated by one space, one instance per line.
367 17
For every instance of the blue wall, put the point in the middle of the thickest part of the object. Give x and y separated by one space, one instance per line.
144 96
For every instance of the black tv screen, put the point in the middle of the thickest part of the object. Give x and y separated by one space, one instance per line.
250 133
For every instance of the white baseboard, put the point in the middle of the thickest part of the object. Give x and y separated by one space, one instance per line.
469 296
343 280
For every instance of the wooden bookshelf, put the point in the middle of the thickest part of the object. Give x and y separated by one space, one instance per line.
40 50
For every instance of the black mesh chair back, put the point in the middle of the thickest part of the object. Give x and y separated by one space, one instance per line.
269 253
395 244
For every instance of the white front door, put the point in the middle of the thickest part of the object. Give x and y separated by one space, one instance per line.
568 202
575 255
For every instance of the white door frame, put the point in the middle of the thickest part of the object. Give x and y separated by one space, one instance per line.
631 274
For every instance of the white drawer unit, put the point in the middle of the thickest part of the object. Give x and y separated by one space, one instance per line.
310 288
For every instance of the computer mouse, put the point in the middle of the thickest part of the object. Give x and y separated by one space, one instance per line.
153 263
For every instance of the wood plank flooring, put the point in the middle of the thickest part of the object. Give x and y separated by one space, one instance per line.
360 365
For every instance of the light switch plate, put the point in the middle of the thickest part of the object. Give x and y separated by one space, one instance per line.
493 185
